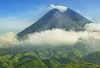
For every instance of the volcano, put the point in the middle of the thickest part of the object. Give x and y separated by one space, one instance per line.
67 20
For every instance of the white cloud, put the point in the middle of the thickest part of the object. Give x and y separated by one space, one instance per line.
60 7
59 36
51 37
8 39
93 27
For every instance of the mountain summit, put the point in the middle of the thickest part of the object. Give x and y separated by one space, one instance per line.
68 20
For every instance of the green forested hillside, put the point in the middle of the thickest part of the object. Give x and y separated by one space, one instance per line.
93 57
25 60
31 60
79 65
47 57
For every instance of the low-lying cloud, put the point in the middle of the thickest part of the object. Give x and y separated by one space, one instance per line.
8 39
93 27
55 37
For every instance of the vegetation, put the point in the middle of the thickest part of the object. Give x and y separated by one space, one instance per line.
79 65
47 57
93 57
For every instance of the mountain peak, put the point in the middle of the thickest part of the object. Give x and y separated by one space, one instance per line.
59 7
68 20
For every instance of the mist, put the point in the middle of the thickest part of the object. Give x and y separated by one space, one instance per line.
55 37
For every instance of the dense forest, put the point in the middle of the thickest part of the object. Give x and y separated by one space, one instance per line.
48 57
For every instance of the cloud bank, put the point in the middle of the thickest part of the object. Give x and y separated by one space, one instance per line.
8 39
55 37
93 27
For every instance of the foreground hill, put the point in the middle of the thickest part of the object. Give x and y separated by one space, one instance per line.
79 65
93 57
47 57
31 60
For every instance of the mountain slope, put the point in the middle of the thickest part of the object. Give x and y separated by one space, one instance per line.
79 65
31 60
93 57
68 20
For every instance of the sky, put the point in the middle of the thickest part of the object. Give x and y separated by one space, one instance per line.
16 15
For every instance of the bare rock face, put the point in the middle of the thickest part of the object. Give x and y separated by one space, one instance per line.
68 20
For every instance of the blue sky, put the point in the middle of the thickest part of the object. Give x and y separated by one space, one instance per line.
15 15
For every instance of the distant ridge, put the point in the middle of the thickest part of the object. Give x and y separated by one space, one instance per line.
68 20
